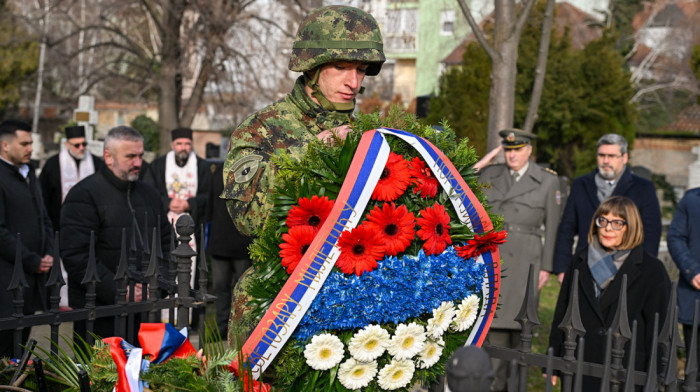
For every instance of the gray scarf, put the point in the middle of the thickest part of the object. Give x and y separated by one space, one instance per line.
603 264
604 188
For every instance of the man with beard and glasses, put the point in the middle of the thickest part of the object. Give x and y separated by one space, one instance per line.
65 169
612 177
109 201
58 176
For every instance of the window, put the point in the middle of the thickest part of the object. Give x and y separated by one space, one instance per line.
447 22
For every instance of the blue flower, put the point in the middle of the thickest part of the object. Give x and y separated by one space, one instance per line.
397 290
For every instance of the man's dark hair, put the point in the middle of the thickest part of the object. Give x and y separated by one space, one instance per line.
9 127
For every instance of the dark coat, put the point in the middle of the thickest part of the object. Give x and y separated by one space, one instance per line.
22 211
648 292
105 204
50 180
526 206
582 203
198 204
225 242
684 244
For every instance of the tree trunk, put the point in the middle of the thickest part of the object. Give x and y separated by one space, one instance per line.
40 71
541 69
168 111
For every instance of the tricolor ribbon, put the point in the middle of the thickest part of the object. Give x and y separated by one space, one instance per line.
305 282
158 340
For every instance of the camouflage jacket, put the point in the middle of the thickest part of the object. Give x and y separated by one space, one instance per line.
287 125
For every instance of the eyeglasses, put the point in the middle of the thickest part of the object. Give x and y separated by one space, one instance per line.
617 224
609 156
78 145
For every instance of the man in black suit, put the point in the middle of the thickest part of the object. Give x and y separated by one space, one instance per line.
611 177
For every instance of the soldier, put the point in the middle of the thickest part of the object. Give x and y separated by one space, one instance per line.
528 197
334 60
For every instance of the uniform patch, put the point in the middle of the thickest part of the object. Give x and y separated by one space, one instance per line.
245 168
558 196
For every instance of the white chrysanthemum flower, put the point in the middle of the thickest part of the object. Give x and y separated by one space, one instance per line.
408 340
369 343
396 374
466 313
442 317
354 374
431 353
324 351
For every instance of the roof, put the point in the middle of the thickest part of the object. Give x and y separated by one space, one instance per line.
688 120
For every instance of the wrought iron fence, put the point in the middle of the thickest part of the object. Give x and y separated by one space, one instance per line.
661 372
165 279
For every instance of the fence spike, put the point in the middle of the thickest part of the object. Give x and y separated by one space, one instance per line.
202 267
527 317
152 270
578 377
123 265
605 381
629 379
172 260
91 270
571 323
55 276
135 229
670 376
620 325
55 279
665 336
691 365
650 385
18 279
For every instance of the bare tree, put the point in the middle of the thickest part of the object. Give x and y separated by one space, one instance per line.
503 52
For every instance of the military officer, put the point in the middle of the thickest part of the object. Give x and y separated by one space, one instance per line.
529 199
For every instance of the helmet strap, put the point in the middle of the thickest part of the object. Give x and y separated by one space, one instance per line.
322 100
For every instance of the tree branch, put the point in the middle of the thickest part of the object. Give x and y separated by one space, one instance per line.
478 34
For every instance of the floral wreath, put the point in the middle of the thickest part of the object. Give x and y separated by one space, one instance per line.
409 283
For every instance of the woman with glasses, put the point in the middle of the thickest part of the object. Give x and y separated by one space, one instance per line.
614 250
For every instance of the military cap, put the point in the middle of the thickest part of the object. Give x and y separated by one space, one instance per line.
75 131
178 133
515 138
337 33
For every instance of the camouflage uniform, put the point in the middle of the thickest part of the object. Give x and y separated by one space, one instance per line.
288 126
327 34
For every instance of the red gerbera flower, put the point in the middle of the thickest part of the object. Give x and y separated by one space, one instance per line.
310 212
481 244
434 229
423 179
395 227
360 248
294 245
394 179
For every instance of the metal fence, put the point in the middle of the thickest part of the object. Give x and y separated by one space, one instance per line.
661 372
166 280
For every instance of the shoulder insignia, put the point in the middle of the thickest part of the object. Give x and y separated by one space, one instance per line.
212 168
245 168
550 171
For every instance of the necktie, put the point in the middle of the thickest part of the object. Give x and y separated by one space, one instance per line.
515 176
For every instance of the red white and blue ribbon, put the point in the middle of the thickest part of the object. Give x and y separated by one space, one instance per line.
305 282
159 341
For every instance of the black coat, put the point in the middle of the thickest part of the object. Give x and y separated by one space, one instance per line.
582 203
105 204
225 242
198 204
22 211
648 292
50 180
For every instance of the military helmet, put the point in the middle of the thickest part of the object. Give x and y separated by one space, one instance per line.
337 33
